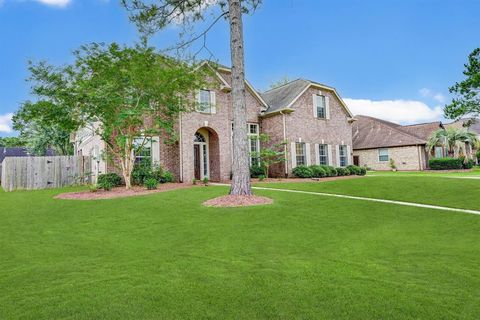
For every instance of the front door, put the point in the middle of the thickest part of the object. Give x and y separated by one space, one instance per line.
196 161
356 160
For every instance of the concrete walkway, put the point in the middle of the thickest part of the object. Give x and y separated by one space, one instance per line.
334 195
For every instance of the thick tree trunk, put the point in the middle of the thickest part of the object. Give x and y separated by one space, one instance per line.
127 164
240 167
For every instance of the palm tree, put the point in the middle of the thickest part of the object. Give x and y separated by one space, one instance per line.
457 141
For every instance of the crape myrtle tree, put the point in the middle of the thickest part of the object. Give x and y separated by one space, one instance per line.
152 16
467 92
132 93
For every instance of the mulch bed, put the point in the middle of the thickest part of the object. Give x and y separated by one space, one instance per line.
237 201
120 192
305 179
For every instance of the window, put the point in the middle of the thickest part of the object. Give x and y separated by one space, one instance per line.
343 156
300 153
145 152
383 154
254 143
205 101
321 113
438 152
323 154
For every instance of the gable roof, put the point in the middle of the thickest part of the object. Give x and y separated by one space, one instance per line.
423 130
372 133
283 97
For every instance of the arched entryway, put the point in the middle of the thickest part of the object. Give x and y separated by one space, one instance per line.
206 157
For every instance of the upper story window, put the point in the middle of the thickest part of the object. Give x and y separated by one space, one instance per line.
206 101
321 106
383 154
343 150
323 154
143 149
300 153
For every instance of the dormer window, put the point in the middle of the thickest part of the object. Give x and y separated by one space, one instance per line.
321 107
206 101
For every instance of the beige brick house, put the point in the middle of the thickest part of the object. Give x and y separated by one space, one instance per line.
310 117
376 142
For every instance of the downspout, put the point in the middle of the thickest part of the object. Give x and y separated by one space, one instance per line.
180 150
284 140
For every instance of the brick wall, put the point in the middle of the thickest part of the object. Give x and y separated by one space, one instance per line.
406 158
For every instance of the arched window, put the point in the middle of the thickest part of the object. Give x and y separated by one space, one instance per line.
199 137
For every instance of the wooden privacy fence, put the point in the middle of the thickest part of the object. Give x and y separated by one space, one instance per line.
31 173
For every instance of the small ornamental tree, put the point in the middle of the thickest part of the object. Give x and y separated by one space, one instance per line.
269 154
133 93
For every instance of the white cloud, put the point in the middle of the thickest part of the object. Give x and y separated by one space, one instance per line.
6 123
55 3
399 111
428 93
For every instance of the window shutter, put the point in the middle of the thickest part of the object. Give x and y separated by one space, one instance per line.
213 101
314 97
294 154
349 151
327 107
330 157
307 154
337 151
317 154
156 150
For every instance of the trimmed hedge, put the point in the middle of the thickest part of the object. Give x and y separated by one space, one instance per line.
445 163
318 171
342 172
257 171
302 172
355 170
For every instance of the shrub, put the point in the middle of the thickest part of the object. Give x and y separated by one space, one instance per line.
261 177
318 171
445 163
362 171
342 171
144 170
205 181
302 172
166 177
329 171
468 164
354 170
93 188
109 179
194 181
257 171
106 185
150 183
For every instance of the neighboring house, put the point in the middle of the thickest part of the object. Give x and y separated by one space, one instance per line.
376 142
18 152
310 116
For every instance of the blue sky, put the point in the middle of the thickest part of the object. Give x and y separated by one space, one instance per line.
392 59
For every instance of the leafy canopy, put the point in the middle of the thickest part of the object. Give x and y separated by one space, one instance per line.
467 92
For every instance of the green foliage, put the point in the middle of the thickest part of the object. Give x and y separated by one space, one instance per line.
467 92
194 181
9 142
329 170
445 163
318 171
106 185
93 188
363 171
205 181
268 155
109 179
167 177
261 177
456 141
392 164
302 172
151 183
467 163
342 171
256 171
354 170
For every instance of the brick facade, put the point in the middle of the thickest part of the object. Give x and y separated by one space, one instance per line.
406 158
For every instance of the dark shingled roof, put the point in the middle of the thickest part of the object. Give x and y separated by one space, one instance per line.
18 152
281 97
423 130
372 133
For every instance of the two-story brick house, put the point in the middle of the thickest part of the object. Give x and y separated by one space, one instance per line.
310 117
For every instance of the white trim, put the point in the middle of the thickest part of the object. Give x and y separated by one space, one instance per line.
337 156
314 99
213 102
317 154
311 84
155 150
293 152
327 107
330 155
349 155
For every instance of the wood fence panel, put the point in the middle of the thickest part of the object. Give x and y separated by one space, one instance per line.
31 173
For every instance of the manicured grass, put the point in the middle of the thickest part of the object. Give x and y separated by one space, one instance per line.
475 172
165 256
455 193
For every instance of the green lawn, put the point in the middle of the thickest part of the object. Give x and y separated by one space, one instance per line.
456 193
165 256
475 172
